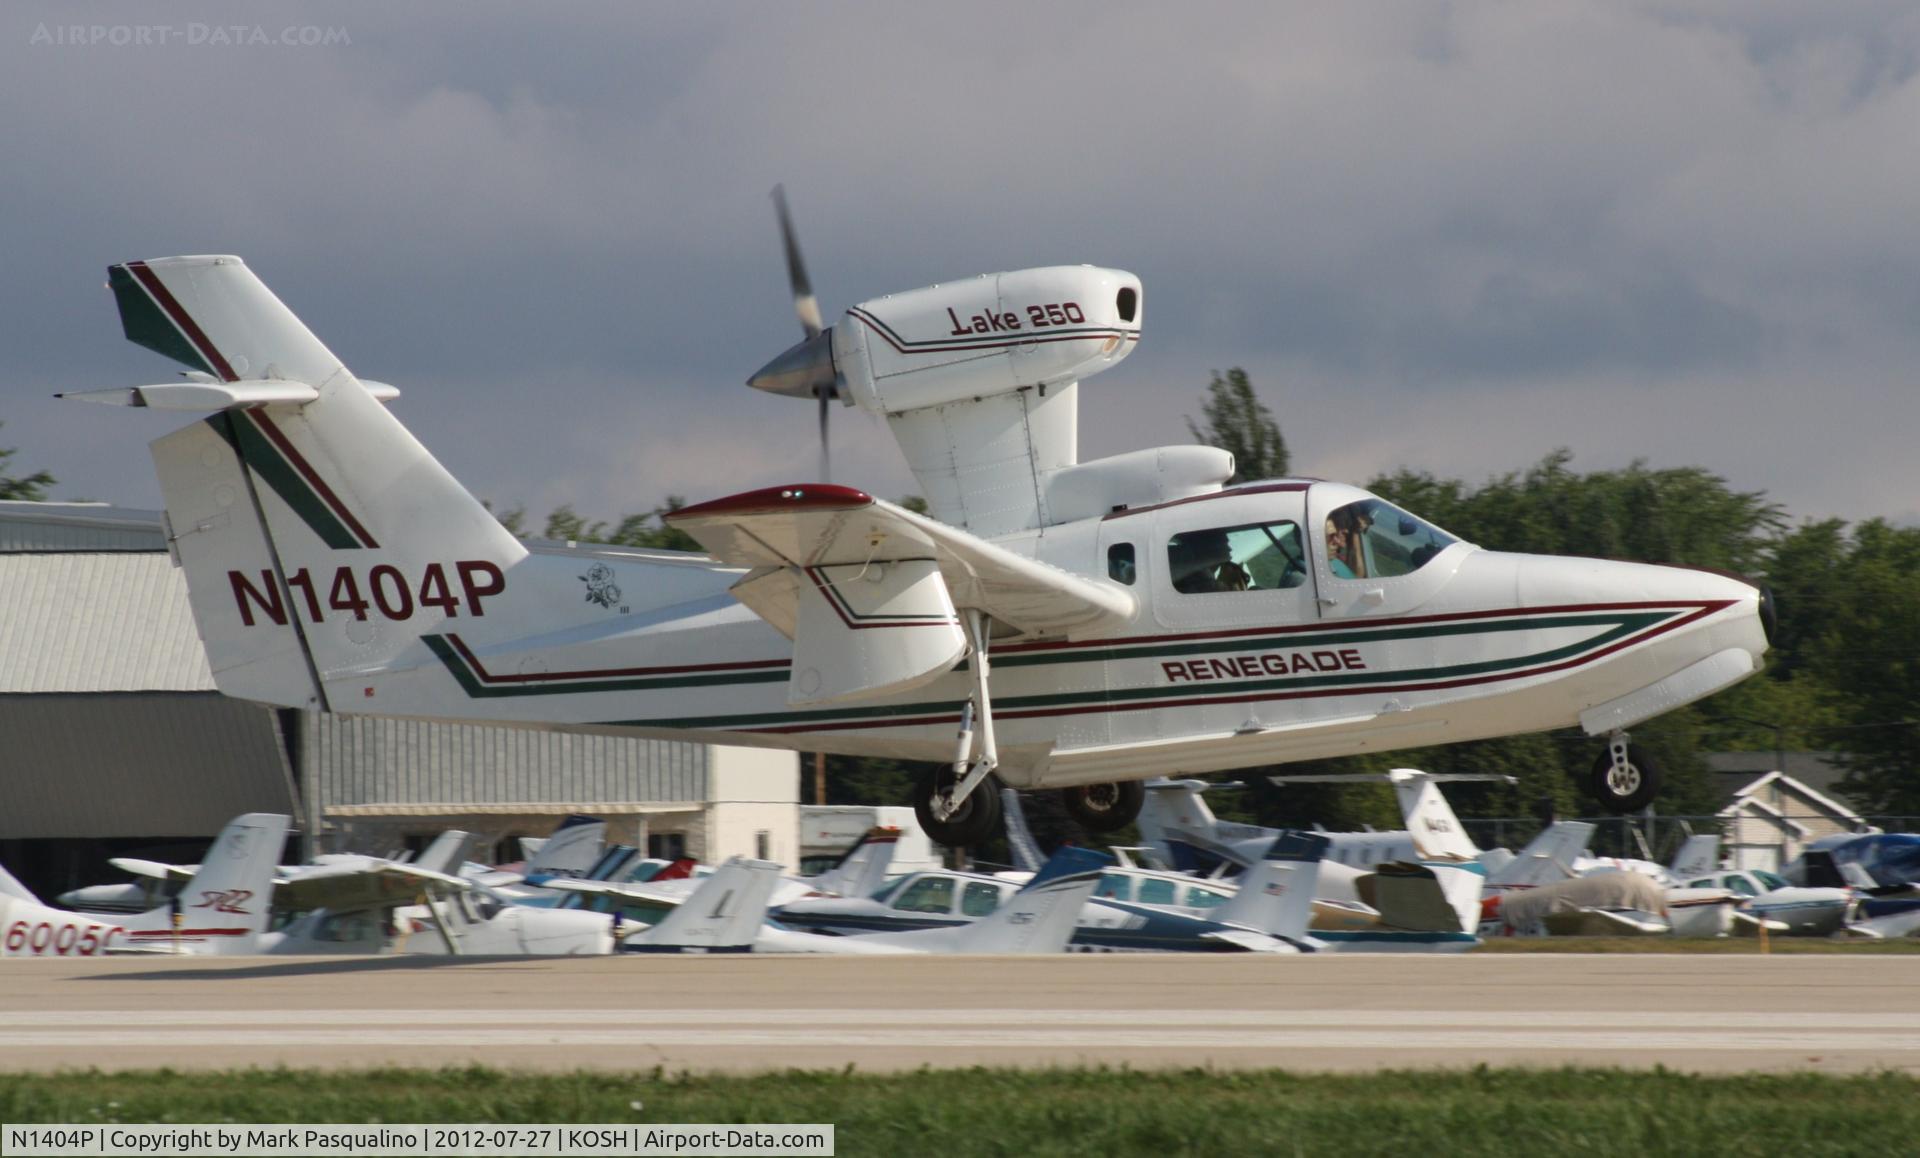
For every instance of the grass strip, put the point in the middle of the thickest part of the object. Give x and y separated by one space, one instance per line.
1102 1111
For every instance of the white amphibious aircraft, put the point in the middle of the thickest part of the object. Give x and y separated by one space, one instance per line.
222 909
1142 619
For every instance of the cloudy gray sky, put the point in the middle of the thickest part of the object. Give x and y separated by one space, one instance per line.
1449 236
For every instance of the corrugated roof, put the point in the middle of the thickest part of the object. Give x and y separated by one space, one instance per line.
79 527
368 760
136 764
95 623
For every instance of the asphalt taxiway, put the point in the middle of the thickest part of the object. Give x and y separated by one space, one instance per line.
1344 1012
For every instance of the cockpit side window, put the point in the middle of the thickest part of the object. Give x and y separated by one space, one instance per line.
1120 567
1254 557
1373 539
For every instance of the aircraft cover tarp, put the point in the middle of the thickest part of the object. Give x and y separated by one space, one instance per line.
1621 890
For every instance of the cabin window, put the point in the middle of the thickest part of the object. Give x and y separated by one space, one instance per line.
1199 898
1120 567
1741 885
927 895
979 899
1154 891
1372 539
1768 879
1115 886
1254 557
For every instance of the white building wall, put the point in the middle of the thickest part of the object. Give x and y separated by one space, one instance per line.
753 790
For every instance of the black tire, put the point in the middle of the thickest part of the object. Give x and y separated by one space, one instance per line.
1104 808
1631 790
978 819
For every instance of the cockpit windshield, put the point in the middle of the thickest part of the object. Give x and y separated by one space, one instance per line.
1373 539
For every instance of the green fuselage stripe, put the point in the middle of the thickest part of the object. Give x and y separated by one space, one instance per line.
267 462
1619 625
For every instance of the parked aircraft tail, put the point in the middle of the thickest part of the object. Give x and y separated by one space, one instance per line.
1041 917
11 886
446 854
572 851
863 870
1547 858
1276 895
723 915
225 907
1698 856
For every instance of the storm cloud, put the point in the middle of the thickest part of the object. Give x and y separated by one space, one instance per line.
1445 236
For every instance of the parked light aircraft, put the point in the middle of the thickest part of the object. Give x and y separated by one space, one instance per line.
1143 618
222 910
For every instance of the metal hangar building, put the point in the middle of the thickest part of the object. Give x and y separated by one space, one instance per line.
114 741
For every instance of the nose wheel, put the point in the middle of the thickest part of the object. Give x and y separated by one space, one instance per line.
1624 778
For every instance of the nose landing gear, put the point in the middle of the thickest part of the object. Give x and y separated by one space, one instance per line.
1624 778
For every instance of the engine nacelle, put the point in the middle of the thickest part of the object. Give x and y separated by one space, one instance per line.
984 336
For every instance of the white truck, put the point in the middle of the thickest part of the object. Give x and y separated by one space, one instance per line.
827 831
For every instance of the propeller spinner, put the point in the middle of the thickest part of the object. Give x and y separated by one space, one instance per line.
805 369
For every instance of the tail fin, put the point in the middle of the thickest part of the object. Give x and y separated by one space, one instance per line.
572 851
723 915
447 852
1547 858
226 904
1173 809
1697 857
1041 917
1436 831
10 886
863 869
1276 895
301 504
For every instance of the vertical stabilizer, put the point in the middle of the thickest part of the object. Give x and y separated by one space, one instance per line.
863 869
1041 917
1276 895
1547 858
723 915
1698 856
225 907
1437 833
572 851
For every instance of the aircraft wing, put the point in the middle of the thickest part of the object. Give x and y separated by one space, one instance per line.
370 886
631 894
868 590
153 869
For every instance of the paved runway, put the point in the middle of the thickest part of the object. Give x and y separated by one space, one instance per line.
1707 1013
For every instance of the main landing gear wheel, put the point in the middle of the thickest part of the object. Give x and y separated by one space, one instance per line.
1104 807
973 824
1625 781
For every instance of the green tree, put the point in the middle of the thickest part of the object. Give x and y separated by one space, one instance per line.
1238 422
24 488
1861 639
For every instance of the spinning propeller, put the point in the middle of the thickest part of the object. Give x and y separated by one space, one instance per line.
805 369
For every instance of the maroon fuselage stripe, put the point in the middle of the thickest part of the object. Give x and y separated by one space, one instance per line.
278 438
163 298
833 597
487 677
1025 338
1257 697
1702 607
